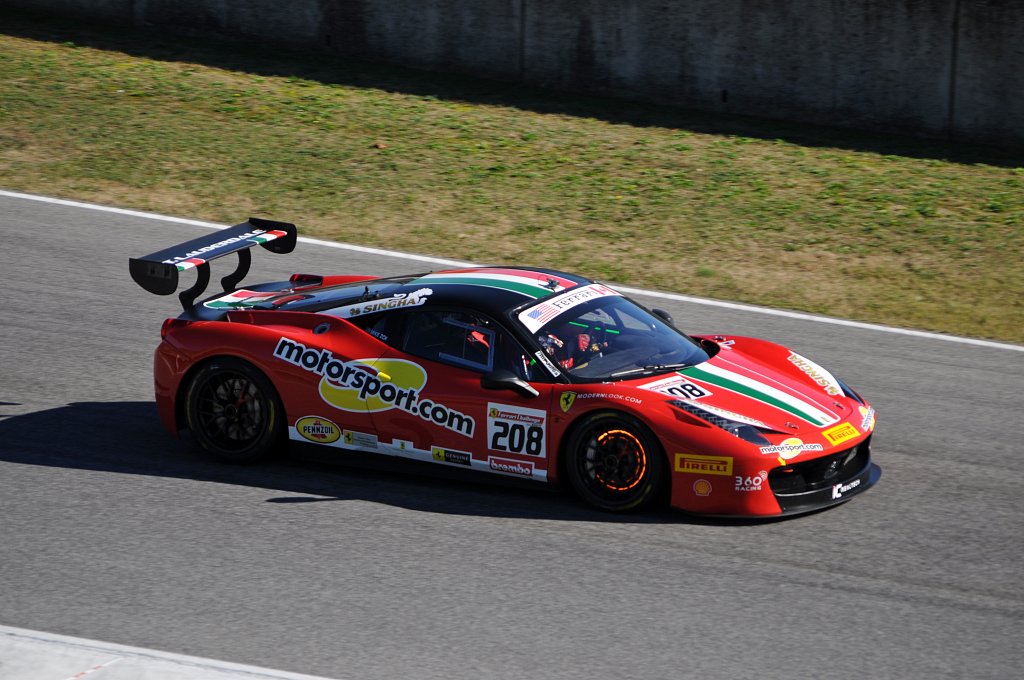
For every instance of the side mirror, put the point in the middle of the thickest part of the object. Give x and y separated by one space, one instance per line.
664 316
503 379
710 346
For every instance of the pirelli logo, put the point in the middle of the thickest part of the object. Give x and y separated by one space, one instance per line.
840 433
704 465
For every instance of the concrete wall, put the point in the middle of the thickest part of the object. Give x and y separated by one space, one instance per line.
480 37
941 68
114 11
988 105
845 62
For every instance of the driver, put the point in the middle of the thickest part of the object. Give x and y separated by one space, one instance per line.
579 349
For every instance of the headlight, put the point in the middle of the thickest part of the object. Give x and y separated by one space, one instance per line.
745 431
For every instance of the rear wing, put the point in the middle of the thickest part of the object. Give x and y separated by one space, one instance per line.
158 273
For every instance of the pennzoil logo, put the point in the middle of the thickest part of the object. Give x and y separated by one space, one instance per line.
566 401
703 465
318 430
840 433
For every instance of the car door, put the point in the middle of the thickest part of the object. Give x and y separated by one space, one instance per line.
331 378
452 419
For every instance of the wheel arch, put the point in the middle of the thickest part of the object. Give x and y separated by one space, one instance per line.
180 419
580 420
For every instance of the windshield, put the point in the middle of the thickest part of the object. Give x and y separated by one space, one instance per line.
595 334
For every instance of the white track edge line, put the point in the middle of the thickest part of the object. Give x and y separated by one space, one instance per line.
632 291
142 653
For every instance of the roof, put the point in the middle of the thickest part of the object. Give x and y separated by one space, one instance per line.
492 290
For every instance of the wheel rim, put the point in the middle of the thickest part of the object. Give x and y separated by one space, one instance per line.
230 410
614 461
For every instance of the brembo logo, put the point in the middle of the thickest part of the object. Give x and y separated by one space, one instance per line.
511 467
373 385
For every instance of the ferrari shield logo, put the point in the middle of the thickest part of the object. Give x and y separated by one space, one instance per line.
566 401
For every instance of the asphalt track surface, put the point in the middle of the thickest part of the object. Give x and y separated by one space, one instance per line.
112 530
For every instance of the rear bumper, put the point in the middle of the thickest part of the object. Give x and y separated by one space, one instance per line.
168 368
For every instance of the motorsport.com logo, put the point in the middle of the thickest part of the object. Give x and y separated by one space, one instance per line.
354 375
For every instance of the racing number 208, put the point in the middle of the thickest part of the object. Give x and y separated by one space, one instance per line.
517 438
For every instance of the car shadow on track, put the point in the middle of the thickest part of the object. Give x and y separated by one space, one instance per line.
127 438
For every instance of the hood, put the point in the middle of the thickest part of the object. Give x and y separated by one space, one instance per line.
765 385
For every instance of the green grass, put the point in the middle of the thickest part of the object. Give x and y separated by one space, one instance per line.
870 227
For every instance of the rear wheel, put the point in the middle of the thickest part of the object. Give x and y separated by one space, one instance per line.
233 411
615 463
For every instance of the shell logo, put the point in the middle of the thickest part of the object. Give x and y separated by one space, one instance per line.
317 429
702 487
386 381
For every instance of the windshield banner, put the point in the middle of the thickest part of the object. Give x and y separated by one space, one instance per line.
538 315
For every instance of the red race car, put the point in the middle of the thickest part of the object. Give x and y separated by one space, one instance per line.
528 373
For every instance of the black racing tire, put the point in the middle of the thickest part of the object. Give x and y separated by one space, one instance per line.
234 412
615 463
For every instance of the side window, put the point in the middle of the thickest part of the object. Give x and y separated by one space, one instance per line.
466 340
386 327
457 338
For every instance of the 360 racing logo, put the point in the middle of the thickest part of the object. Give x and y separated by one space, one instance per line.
371 385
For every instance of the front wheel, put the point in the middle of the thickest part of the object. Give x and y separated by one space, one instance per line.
615 463
233 411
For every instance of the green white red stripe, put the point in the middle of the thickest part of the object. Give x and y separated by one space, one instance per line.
189 263
723 378
269 236
529 284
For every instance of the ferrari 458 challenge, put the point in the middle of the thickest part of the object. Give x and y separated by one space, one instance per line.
529 373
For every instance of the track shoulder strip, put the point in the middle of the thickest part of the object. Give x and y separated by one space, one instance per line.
624 289
47 655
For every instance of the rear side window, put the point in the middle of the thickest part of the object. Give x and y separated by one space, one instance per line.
463 339
456 338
